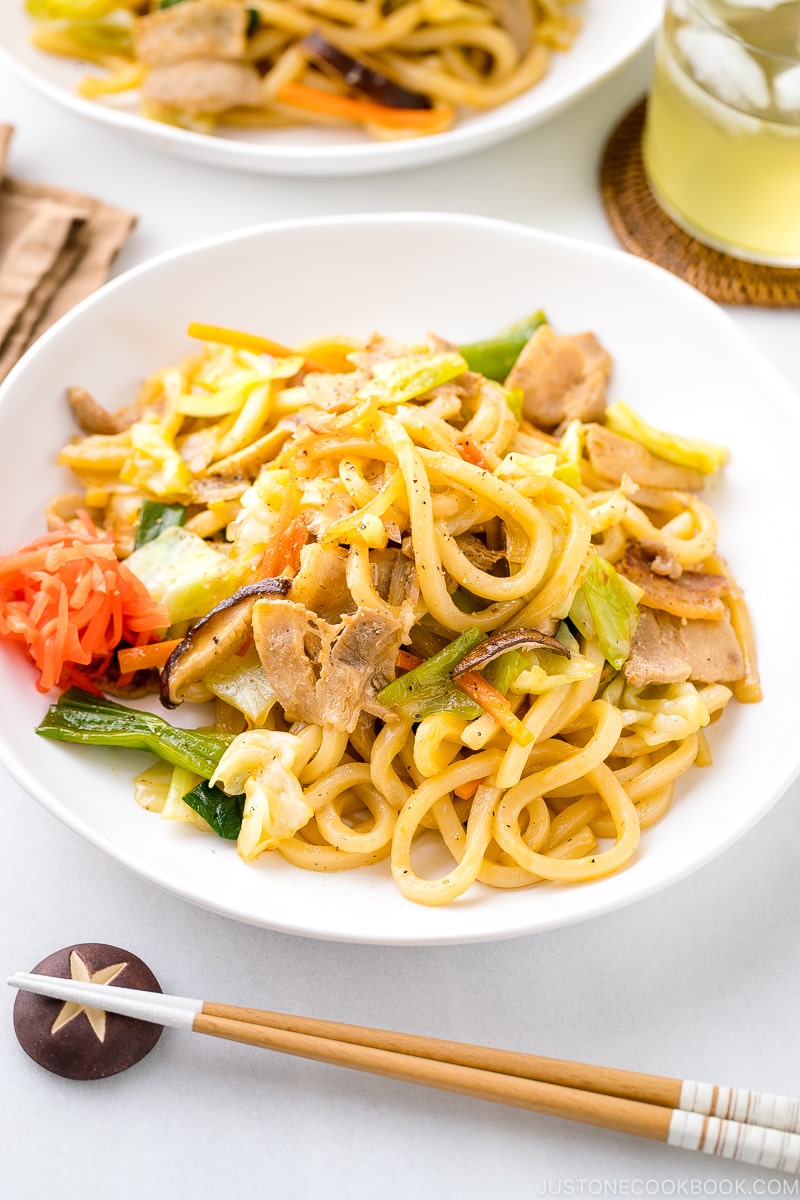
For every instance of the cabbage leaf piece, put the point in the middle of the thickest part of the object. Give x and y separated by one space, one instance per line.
542 671
686 452
605 611
399 380
184 573
260 764
659 713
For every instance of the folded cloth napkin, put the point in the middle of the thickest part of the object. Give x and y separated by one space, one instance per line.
56 246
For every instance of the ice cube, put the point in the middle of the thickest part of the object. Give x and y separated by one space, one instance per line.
724 67
786 87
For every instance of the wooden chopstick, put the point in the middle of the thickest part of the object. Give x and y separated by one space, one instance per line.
645 1105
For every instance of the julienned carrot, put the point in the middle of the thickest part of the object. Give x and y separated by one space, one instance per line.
406 661
467 790
142 658
494 703
69 600
246 341
287 553
472 453
366 112
288 539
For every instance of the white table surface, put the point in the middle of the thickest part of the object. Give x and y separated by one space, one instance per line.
699 981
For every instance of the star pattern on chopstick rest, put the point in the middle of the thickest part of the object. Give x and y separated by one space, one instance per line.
96 1017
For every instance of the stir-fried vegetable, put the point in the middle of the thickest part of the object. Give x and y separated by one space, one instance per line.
399 380
361 77
145 658
686 452
219 810
605 611
240 340
495 358
92 720
365 112
184 573
429 687
155 518
495 704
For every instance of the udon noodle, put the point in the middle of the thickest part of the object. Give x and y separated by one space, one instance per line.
399 69
484 618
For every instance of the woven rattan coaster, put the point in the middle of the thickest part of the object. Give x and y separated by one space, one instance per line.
644 228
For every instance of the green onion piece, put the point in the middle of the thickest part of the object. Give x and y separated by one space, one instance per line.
91 720
222 812
496 357
429 688
253 21
155 518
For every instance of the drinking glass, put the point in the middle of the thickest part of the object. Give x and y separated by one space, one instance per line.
721 144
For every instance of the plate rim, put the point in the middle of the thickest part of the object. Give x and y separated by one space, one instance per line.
781 392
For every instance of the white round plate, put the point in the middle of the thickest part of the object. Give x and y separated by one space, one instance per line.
678 359
612 33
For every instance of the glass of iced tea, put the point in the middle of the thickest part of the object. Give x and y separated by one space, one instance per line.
722 135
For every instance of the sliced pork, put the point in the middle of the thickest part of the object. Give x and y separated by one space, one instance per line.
321 583
321 673
93 418
562 378
694 594
667 649
359 663
613 456
203 29
203 86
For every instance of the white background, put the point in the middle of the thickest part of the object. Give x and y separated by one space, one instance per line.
699 981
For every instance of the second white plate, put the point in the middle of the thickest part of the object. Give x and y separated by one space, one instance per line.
613 31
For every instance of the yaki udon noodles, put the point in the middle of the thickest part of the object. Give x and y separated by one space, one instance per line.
435 593
394 68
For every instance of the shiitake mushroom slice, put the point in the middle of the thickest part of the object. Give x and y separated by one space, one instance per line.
212 641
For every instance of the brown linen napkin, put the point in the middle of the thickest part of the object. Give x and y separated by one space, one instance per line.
56 247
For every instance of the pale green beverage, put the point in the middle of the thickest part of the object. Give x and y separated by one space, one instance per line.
722 136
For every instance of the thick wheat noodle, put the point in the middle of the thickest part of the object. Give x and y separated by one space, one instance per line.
394 502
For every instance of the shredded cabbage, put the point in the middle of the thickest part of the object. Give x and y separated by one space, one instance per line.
399 380
154 465
605 610
242 682
686 452
184 573
260 763
659 712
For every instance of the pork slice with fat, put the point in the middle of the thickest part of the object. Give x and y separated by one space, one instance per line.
360 661
282 631
668 649
203 86
613 456
562 378
203 29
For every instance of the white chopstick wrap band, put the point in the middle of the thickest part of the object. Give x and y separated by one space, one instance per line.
738 1104
730 1139
178 1012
